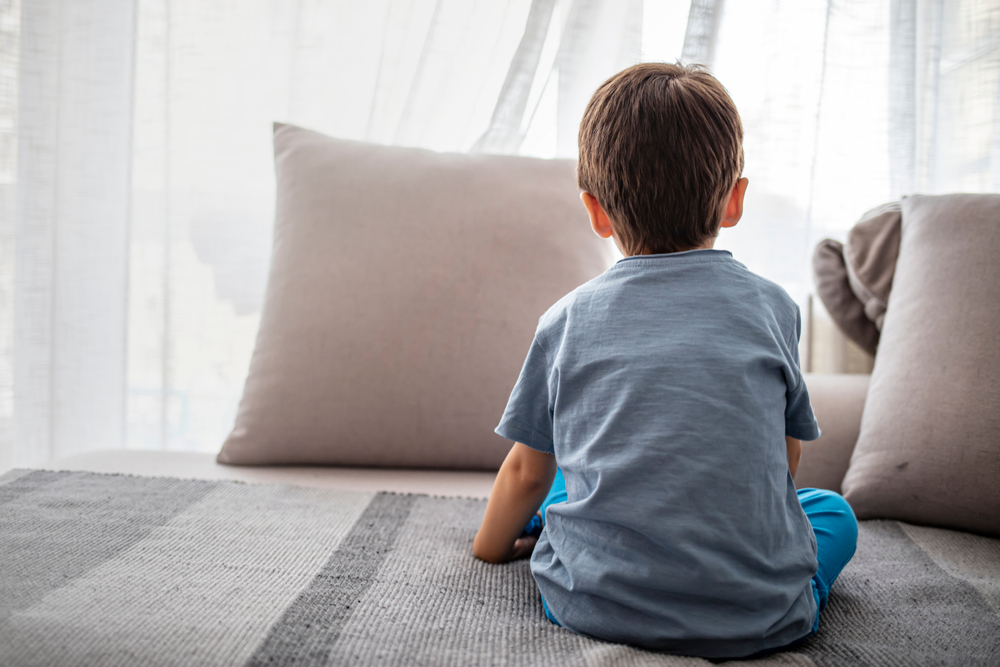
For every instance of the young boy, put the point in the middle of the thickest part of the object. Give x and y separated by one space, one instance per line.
668 393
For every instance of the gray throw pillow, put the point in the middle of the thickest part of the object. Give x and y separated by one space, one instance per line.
929 447
870 256
404 291
833 287
853 280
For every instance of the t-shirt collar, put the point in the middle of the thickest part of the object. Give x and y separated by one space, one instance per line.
700 253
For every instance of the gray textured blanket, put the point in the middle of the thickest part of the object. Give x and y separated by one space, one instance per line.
118 570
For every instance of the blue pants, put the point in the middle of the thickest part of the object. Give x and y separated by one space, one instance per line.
832 521
836 531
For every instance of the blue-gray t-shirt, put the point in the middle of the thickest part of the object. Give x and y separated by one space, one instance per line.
665 388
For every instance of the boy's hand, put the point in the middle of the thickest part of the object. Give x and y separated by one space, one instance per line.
523 546
522 484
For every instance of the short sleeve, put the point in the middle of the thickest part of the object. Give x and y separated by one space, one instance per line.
527 418
800 422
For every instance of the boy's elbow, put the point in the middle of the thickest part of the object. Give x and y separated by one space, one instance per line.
484 553
492 559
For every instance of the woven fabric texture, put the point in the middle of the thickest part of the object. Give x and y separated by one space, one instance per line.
118 570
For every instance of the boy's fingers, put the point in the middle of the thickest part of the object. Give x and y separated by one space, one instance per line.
523 547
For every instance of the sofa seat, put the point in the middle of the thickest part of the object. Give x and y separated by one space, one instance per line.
192 465
837 399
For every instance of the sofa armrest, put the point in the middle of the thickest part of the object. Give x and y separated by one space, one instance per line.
837 401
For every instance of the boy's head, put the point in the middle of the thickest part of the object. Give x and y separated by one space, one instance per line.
661 149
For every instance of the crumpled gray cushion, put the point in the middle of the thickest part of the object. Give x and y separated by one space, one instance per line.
929 447
833 287
854 279
870 256
404 290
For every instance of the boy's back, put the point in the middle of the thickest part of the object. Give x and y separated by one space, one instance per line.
668 391
661 387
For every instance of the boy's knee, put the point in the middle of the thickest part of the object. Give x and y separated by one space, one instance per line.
847 524
836 530
836 512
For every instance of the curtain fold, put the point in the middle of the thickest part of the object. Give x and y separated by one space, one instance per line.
903 95
137 185
592 40
504 132
74 133
601 37
702 34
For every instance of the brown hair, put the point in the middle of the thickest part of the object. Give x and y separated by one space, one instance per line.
661 147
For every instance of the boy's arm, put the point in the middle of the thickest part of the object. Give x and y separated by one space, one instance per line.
794 453
521 485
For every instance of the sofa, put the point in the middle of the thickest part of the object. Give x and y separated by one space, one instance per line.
837 400
335 524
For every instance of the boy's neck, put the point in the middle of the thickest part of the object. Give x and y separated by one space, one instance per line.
709 244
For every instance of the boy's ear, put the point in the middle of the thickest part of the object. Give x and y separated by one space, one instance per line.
598 218
734 209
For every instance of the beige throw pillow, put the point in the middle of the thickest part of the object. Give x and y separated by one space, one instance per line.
929 447
404 292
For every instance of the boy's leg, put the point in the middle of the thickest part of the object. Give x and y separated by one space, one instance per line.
836 531
557 494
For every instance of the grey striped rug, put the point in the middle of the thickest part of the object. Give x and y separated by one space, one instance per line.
119 570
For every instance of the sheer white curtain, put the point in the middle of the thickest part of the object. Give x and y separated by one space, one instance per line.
849 104
136 182
138 203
